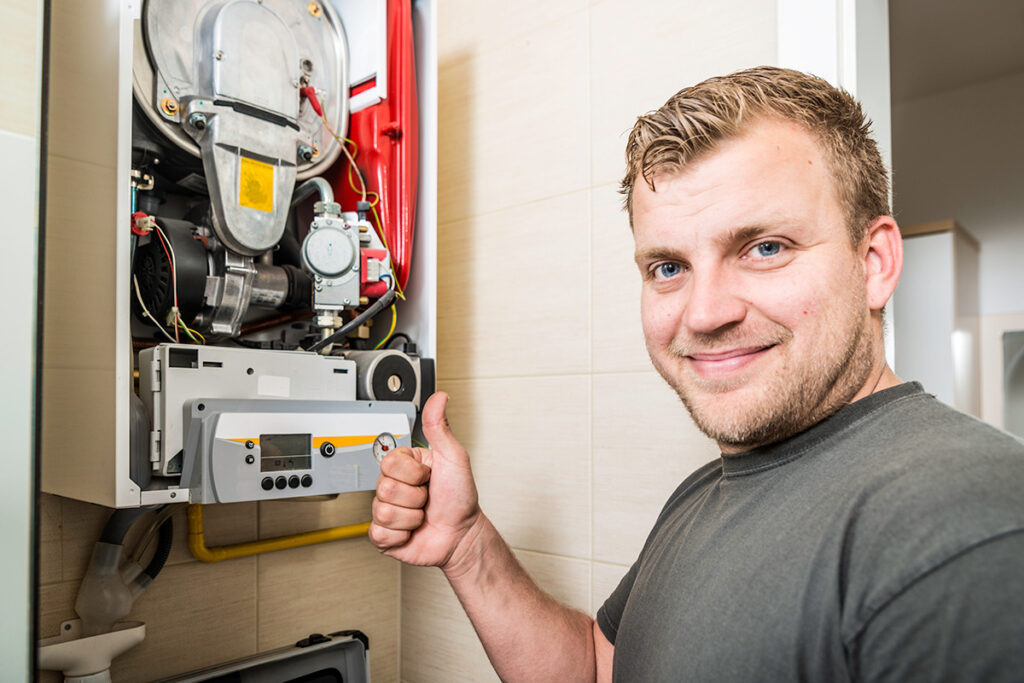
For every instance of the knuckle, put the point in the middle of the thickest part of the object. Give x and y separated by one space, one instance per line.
387 488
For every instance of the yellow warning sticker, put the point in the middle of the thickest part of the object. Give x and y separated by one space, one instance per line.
256 185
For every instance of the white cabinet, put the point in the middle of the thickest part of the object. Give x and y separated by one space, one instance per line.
935 316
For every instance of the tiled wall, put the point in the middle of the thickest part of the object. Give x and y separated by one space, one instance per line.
575 441
200 614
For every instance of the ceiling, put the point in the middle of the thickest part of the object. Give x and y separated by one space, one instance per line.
937 45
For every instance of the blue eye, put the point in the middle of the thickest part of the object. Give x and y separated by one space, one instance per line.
766 249
667 270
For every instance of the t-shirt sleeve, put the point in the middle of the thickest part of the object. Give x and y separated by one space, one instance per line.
609 615
962 621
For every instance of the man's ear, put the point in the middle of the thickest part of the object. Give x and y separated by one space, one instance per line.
882 251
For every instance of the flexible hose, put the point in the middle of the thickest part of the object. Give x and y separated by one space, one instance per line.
377 306
163 549
118 525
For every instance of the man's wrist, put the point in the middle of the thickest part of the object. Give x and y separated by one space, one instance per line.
470 549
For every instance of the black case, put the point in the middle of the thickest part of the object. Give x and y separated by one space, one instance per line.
340 657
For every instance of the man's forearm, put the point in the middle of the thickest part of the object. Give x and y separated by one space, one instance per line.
528 635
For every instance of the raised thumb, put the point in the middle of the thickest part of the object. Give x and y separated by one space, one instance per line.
435 424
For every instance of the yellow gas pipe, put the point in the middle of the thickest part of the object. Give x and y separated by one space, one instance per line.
197 541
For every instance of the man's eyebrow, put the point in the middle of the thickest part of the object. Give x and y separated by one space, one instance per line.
657 254
741 235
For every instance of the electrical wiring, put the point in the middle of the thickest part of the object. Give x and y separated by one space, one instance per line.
191 333
169 251
310 94
146 312
398 335
394 320
375 308
380 231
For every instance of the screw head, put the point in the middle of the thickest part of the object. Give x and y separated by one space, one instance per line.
219 55
169 106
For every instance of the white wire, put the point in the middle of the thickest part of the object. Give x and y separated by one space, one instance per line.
174 278
145 310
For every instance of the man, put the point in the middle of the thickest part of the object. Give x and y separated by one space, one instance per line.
854 528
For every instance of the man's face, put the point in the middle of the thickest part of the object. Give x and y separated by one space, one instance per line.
753 300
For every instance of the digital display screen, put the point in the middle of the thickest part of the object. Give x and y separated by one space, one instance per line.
285 452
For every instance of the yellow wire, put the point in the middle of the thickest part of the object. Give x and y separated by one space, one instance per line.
364 193
190 332
394 320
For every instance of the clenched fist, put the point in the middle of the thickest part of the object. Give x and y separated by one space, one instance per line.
426 499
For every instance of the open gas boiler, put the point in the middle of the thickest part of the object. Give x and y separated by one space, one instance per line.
275 157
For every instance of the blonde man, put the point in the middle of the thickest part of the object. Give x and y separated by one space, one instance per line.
853 528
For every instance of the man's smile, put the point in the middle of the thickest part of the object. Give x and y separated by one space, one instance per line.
727 363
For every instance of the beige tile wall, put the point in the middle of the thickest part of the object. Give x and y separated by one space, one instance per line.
200 614
575 441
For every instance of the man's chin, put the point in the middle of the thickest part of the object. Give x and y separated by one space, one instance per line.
728 413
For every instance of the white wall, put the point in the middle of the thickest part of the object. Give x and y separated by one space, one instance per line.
20 66
960 154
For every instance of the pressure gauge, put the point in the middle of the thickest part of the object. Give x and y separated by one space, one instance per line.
383 444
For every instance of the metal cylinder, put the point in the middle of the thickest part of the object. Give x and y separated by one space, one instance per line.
279 287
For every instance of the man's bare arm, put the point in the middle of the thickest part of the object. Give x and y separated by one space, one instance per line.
426 512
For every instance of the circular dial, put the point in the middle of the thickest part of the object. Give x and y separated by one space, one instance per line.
383 444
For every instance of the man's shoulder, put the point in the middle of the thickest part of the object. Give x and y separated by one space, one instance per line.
924 439
936 484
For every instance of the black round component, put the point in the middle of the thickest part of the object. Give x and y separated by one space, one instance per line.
327 449
152 269
300 289
307 481
394 379
293 481
280 482
267 483
250 459
250 444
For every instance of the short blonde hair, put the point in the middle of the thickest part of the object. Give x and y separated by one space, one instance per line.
695 119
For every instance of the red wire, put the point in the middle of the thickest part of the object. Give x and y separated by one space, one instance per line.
174 280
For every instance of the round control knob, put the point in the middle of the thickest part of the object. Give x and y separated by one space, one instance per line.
293 481
327 449
328 252
267 483
307 481
280 482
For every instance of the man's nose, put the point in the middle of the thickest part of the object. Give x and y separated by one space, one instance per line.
712 302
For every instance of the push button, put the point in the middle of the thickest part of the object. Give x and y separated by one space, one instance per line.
267 483
293 481
307 481
280 482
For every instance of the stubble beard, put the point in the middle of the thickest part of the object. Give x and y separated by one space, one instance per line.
797 395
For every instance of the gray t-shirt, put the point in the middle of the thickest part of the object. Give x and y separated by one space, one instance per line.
885 543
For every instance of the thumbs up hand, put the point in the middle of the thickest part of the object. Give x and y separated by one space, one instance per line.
426 500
